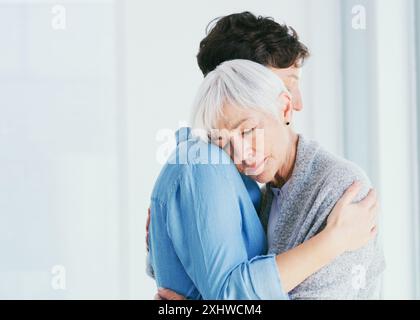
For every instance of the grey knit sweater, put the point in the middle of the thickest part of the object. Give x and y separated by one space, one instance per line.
318 181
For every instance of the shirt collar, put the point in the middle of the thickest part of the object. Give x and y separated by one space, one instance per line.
280 191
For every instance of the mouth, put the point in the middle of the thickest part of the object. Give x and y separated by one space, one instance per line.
256 169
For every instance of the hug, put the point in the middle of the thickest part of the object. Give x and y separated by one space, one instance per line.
310 231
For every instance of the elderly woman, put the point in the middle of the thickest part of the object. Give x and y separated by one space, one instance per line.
247 111
206 241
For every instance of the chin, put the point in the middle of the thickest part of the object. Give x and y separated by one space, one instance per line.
262 180
267 175
264 177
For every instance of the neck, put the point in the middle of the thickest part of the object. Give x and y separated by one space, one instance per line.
286 169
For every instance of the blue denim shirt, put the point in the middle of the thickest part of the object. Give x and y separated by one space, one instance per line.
206 240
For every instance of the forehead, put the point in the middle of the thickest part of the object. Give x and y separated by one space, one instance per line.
291 72
232 116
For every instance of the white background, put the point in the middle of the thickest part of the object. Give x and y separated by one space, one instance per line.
80 110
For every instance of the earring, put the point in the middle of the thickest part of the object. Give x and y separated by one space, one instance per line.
287 123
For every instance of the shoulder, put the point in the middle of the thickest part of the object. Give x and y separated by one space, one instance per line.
193 162
339 173
330 174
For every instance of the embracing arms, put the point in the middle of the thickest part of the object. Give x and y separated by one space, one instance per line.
349 227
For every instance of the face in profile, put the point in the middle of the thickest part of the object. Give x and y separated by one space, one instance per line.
291 78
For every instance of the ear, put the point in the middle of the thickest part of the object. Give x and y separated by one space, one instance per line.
286 110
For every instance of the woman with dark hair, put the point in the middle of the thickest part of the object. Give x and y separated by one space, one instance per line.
206 241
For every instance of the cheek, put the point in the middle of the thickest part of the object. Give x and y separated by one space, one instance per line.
272 139
258 145
269 171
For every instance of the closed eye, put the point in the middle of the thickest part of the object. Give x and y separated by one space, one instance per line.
247 131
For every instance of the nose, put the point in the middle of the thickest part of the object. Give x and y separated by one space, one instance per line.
297 100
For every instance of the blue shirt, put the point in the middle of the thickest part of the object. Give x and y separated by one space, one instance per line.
206 240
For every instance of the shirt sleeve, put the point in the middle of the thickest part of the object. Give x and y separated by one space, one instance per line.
206 231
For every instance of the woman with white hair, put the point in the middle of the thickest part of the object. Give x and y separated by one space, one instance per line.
206 241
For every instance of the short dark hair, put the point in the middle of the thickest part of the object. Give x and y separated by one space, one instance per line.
246 36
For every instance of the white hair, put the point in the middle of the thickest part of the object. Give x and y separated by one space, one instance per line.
242 83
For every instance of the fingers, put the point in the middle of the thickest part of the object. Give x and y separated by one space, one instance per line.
350 193
157 297
148 220
373 232
147 229
374 211
167 294
370 200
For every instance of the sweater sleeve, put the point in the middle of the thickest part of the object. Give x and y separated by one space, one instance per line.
352 275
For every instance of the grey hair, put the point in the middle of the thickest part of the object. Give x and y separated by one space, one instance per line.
242 83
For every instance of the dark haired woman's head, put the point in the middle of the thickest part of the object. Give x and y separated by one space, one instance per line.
259 39
246 36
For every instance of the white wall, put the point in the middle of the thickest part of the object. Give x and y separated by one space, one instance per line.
59 161
398 168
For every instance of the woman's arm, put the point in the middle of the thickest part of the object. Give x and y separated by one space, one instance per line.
349 227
